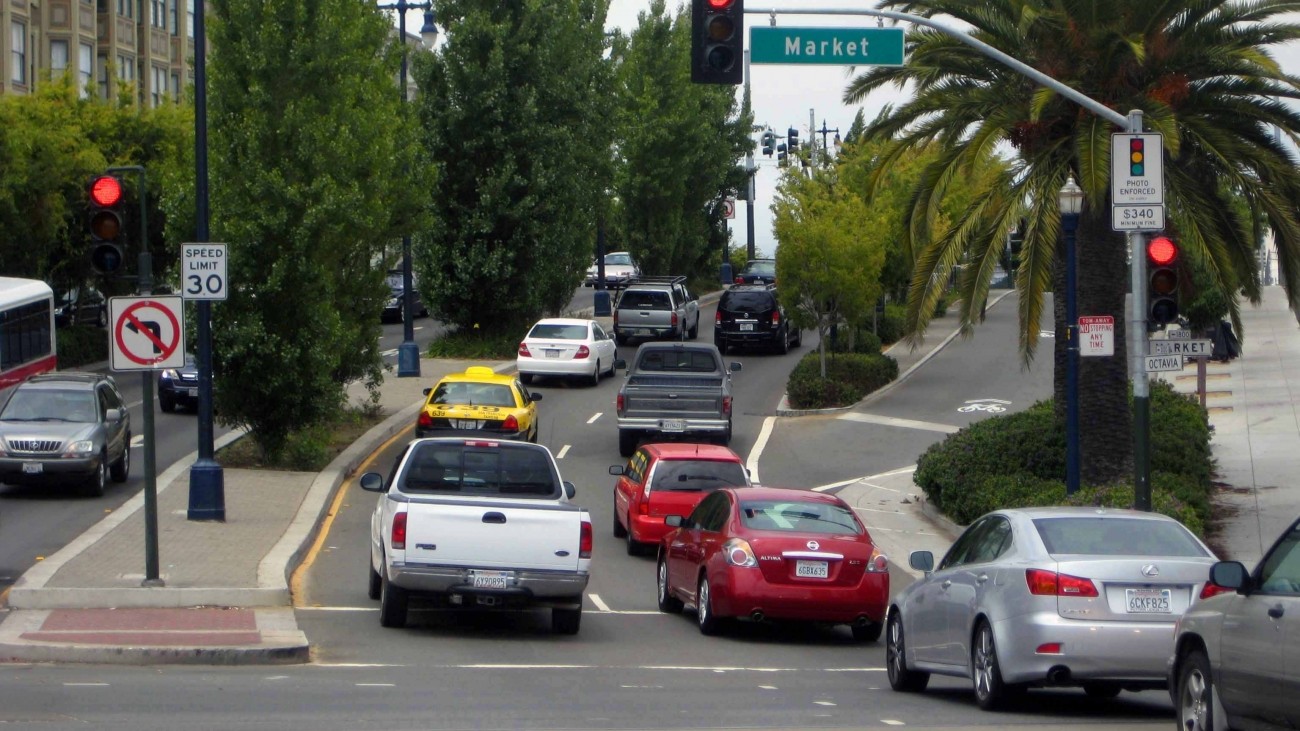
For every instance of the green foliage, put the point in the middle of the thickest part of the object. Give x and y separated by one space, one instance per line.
1164 500
475 345
850 340
1180 435
849 377
79 345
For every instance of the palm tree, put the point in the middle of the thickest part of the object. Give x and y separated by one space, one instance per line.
1200 71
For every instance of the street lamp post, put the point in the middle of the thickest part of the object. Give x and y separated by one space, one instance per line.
408 353
751 169
1071 201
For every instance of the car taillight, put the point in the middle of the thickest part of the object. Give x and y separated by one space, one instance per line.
776 318
1049 583
618 403
726 406
879 563
740 280
523 350
674 319
398 539
425 420
1212 589
615 317
584 540
583 352
717 318
738 553
510 424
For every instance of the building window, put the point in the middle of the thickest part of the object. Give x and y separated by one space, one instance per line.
158 85
158 13
18 52
101 6
85 67
125 68
103 77
58 58
189 19
126 8
176 88
175 23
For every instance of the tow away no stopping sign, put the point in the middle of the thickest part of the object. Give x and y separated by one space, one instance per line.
146 333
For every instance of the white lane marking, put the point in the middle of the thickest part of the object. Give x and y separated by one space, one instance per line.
417 328
374 685
85 685
824 703
134 404
768 687
868 480
751 463
901 423
600 603
386 353
833 485
336 609
892 722
563 451
137 440
276 677
592 420
672 668
353 665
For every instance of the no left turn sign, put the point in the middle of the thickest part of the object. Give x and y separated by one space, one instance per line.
146 333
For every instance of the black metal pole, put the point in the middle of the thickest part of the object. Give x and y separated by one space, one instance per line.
749 210
1070 222
207 481
408 353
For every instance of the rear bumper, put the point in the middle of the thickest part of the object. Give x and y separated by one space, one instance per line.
741 592
693 425
760 336
528 587
519 436
648 528
646 331
556 366
1137 652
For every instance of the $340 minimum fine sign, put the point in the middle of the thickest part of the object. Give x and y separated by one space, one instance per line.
203 271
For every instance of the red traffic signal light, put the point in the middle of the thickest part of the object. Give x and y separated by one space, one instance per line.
717 41
1162 251
106 191
104 218
1162 281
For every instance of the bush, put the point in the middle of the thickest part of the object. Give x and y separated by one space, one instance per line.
1121 496
1180 435
80 345
863 341
891 326
849 377
475 345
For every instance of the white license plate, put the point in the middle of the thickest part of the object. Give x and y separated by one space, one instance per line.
490 579
747 327
194 393
464 423
1147 601
812 569
33 468
552 354
672 425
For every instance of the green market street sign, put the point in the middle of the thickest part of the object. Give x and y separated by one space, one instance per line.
826 46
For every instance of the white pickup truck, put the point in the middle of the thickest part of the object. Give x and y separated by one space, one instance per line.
476 523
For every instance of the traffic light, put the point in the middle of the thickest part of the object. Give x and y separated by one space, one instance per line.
1162 281
1137 156
792 136
717 41
781 157
105 219
769 141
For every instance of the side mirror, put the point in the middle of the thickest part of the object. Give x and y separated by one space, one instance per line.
426 391
1230 575
922 561
113 415
372 482
620 364
569 490
534 396
734 366
617 470
674 521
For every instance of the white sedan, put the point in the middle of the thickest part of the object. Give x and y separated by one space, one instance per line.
566 347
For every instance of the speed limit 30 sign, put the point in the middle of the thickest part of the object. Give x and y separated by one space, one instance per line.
203 271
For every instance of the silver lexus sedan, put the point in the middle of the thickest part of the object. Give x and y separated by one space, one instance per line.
1048 597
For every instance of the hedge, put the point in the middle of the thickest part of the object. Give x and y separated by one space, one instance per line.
849 377
80 345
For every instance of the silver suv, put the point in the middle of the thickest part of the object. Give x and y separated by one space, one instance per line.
65 428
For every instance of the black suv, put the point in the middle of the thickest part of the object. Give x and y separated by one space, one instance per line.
751 314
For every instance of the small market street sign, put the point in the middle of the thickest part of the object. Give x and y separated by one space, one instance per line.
826 46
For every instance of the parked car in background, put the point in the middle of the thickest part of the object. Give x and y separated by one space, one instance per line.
751 314
674 389
656 308
761 553
758 271
1236 661
620 268
80 306
479 402
179 386
394 309
668 479
1048 597
568 348
65 428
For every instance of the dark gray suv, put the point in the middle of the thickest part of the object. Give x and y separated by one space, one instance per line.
65 428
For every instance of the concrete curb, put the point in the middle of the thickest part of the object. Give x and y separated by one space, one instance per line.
939 519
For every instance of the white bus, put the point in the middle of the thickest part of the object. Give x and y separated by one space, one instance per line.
27 343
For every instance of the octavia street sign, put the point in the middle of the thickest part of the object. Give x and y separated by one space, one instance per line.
826 46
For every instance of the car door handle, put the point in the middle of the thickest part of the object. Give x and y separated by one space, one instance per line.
947 583
1276 611
981 578
494 517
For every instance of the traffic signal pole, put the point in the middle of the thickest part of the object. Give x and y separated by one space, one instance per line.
1137 350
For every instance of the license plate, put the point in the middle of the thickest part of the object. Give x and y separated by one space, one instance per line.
33 468
490 579
1147 601
464 423
672 425
811 569
747 327
552 354
194 393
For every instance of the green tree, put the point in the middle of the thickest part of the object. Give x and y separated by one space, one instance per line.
677 149
515 109
831 248
313 168
1202 74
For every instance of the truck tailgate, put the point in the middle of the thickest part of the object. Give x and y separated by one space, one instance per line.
675 396
502 534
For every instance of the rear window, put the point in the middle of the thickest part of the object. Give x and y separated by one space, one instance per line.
473 394
799 517
683 475
504 471
678 361
748 301
551 331
767 268
644 300
1101 536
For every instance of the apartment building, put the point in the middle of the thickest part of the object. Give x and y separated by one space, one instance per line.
105 44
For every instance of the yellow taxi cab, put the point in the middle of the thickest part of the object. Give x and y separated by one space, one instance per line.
479 402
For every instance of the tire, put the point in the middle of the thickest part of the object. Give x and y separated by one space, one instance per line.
392 604
901 678
634 547
1195 701
610 372
97 483
526 379
667 602
594 380
798 338
121 469
991 692
1101 690
620 339
694 331
783 343
627 440
102 319
708 622
722 345
566 621
619 530
725 439
869 632
167 402
373 582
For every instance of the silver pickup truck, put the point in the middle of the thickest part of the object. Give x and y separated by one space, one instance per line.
656 308
674 389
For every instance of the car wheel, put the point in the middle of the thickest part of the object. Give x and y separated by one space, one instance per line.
708 621
986 676
695 330
667 602
619 530
900 677
1101 690
620 339
594 380
633 545
798 338
869 632
526 379
783 342
102 319
1195 693
566 621
373 582
627 442
721 344
167 402
392 603
121 469
99 481
725 439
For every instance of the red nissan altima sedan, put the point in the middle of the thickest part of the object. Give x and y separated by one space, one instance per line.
771 553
